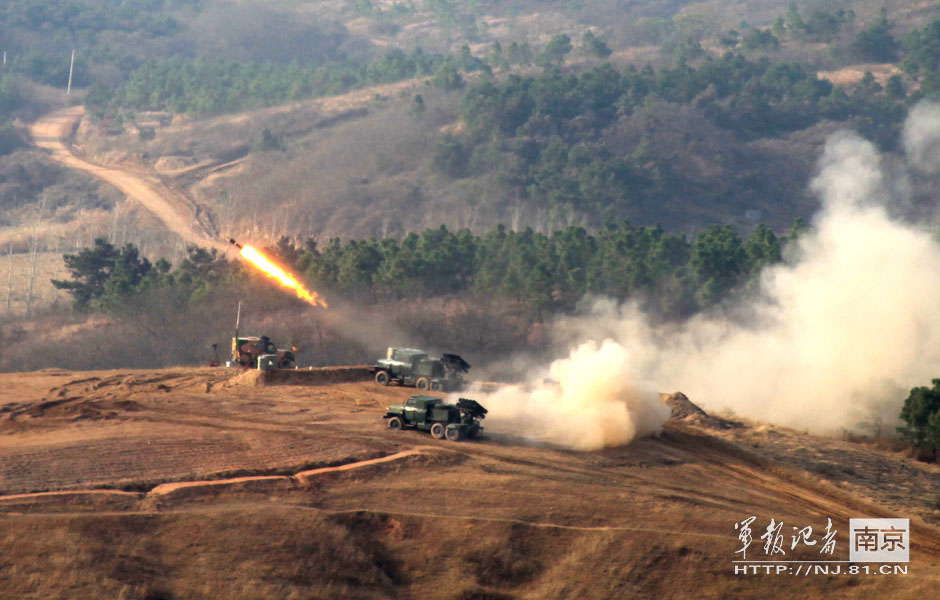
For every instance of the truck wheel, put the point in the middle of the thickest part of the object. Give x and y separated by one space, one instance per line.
284 363
437 431
394 423
472 433
382 378
453 434
436 386
422 383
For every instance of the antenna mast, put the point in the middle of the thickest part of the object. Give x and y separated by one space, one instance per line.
68 90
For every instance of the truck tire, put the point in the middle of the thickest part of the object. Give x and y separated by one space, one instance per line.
422 383
382 378
436 386
437 431
394 423
453 434
284 363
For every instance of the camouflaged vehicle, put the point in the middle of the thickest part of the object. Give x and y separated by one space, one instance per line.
434 415
407 366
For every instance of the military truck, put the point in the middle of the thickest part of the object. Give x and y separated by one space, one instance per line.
247 349
407 366
434 415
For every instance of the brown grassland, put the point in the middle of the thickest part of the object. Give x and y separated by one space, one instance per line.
86 512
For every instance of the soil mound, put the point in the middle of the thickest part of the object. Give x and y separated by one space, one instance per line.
310 376
687 411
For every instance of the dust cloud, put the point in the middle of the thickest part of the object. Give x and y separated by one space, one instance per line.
921 137
833 340
589 400
840 332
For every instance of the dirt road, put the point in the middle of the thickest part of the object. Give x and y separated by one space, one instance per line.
178 213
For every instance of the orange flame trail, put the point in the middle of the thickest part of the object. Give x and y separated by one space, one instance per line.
275 272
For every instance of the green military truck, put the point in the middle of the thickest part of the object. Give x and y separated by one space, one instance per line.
407 366
442 420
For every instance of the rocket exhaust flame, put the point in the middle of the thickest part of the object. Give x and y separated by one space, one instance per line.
275 272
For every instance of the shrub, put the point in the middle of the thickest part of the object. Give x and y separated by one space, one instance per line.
921 413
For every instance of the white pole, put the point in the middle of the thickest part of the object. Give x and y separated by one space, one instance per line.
236 347
71 67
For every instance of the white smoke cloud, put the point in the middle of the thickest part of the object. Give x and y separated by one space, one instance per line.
834 340
841 332
921 137
590 400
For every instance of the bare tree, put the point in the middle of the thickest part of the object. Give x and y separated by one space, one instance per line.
31 277
386 220
112 237
9 278
516 218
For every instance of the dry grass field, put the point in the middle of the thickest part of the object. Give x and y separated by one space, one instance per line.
200 483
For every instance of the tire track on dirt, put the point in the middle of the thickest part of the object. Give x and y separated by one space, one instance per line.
179 214
821 497
165 489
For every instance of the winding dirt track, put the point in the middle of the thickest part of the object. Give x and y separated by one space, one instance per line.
179 214
164 489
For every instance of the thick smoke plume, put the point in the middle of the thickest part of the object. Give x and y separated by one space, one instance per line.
834 339
592 399
922 137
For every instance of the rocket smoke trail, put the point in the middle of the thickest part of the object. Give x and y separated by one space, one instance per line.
275 272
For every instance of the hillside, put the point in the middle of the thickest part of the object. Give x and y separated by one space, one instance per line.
573 127
198 483
396 142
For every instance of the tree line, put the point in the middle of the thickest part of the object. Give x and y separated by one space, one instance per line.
541 273
202 87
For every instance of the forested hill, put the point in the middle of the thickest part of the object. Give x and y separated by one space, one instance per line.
542 114
653 143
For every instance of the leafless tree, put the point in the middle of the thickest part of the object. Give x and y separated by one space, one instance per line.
31 277
9 278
